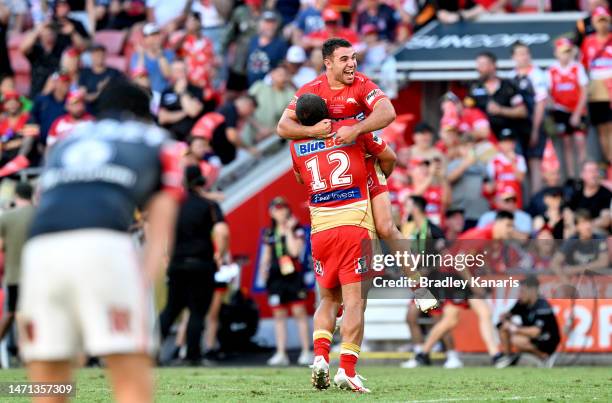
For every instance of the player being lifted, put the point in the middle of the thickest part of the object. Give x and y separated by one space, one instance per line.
342 223
351 95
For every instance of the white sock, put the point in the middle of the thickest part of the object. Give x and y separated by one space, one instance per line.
452 354
418 348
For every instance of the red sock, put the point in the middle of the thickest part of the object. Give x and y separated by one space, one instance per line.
348 362
322 343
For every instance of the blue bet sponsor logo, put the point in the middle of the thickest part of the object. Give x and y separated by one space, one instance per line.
336 195
314 146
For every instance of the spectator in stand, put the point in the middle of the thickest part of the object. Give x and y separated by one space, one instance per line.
423 148
455 224
414 15
381 16
271 102
267 49
203 154
507 200
507 168
332 29
225 138
140 76
597 60
567 84
346 8
593 197
5 63
13 130
283 246
70 63
376 50
49 107
118 14
7 84
531 83
470 120
308 20
241 28
453 11
553 215
153 58
288 9
295 63
466 173
584 26
16 14
93 79
181 103
168 15
77 113
211 20
494 6
552 180
497 97
44 50
198 52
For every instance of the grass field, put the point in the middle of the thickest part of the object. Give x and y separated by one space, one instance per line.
389 384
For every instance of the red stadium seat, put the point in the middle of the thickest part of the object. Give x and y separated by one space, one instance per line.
112 40
118 62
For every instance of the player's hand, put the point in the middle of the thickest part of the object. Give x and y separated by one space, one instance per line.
347 134
493 108
321 130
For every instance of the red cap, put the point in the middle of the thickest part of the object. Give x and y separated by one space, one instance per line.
369 29
256 3
75 96
329 14
10 94
507 191
563 43
600 12
61 76
72 52
139 72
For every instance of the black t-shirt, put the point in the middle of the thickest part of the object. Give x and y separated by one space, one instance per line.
224 148
44 64
90 80
541 315
101 173
594 204
584 27
580 252
454 5
507 95
171 101
5 64
278 243
193 243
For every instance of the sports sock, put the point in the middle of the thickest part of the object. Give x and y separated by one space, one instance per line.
322 342
349 354
418 348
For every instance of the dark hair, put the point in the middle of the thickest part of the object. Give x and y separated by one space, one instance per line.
518 44
330 45
422 127
310 109
504 215
489 56
419 202
250 98
24 191
121 96
582 214
197 16
530 281
193 177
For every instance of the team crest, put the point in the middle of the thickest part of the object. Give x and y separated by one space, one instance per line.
362 265
318 267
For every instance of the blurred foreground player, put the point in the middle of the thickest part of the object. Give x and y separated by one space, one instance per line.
342 224
536 331
84 285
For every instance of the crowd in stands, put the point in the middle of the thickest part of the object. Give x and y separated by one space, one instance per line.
221 73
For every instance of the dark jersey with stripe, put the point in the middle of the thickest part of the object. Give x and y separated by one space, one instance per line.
102 172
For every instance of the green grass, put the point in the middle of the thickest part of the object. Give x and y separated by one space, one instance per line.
388 383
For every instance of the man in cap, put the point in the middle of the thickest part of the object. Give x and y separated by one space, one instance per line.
153 57
94 78
266 50
332 29
300 74
62 126
49 107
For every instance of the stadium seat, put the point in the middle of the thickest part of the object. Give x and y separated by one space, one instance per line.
118 62
112 40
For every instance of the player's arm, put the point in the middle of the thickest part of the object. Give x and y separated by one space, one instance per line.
383 114
376 146
529 331
289 128
387 160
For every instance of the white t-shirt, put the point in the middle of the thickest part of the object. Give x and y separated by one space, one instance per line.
209 15
166 10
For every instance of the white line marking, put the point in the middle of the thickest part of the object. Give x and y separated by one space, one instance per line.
463 399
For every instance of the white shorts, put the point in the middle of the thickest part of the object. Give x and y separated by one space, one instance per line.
83 291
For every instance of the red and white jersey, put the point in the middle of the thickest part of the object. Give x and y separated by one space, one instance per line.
63 125
503 172
565 85
597 57
355 101
336 177
434 209
199 56
472 119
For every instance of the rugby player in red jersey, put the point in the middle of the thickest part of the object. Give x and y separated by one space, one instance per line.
342 224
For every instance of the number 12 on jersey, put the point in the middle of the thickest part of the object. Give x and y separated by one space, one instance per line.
337 177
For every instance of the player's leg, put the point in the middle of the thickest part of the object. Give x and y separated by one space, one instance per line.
298 310
416 335
453 359
12 292
200 294
505 340
524 345
131 376
175 303
279 313
383 220
485 324
50 372
212 320
449 320
324 322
